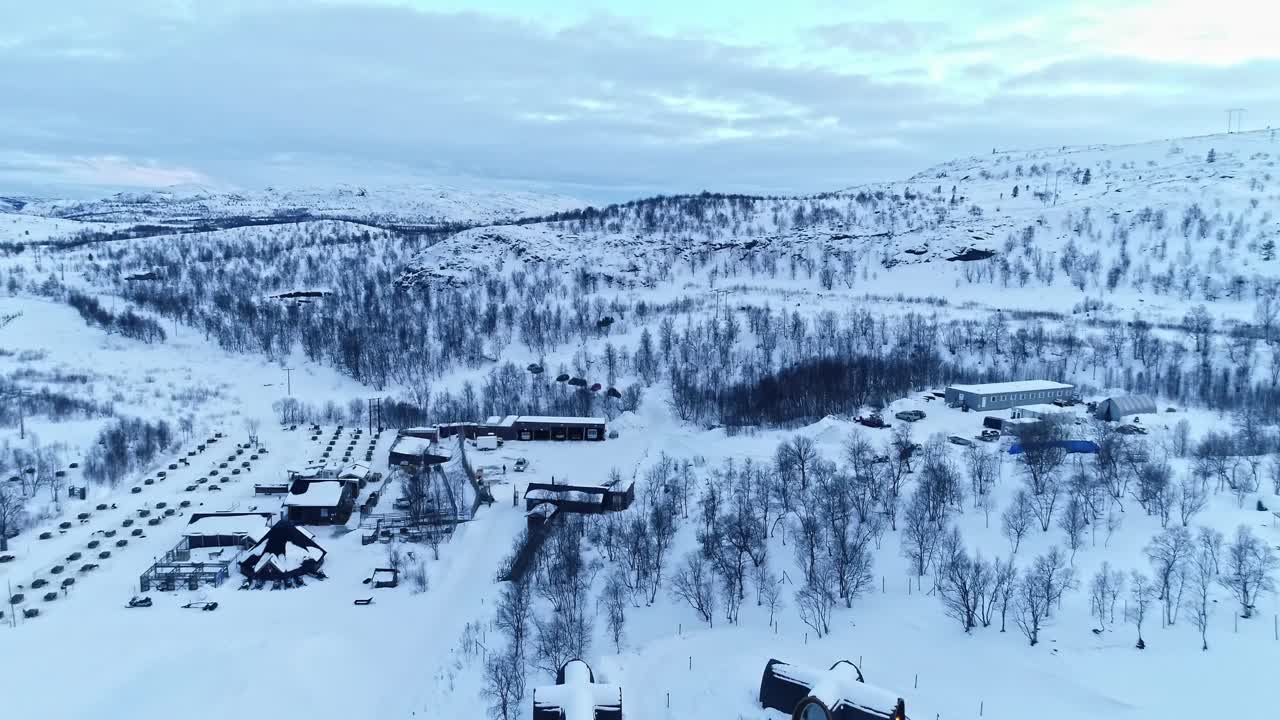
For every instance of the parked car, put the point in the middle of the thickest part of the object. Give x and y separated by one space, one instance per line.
874 420
958 440
989 435
910 415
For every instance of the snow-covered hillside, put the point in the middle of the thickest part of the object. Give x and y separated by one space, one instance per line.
1191 218
408 205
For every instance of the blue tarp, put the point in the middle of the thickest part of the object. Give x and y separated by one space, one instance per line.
1072 446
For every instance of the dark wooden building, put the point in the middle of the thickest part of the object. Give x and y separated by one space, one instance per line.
544 427
586 499
320 501
519 427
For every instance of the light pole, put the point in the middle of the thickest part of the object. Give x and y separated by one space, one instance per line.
288 381
22 420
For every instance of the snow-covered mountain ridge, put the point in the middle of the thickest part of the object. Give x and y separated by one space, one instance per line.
408 205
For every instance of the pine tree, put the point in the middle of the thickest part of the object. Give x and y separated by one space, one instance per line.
1269 250
1211 156
1088 176
1015 191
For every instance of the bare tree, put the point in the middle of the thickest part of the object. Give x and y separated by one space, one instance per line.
513 616
1192 498
799 455
693 582
504 685
1169 553
1074 521
416 574
1141 595
815 602
1103 591
1042 455
12 506
251 425
1044 502
1030 608
964 585
1181 438
920 533
1016 520
771 594
1247 569
984 470
1203 573
395 558
614 597
1003 590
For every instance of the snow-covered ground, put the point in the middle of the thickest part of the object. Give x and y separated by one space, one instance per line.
407 645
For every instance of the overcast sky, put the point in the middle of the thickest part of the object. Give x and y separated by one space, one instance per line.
602 99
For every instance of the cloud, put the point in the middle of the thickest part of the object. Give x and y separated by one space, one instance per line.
255 94
887 36
100 170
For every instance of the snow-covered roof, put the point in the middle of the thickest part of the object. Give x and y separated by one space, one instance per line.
318 493
1044 408
410 445
839 685
1129 404
553 420
1012 387
250 525
578 697
318 469
572 495
285 548
355 471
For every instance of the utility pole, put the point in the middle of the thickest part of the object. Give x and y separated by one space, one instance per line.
19 396
288 381
1236 116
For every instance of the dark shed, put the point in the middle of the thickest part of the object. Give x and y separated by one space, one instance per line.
838 693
